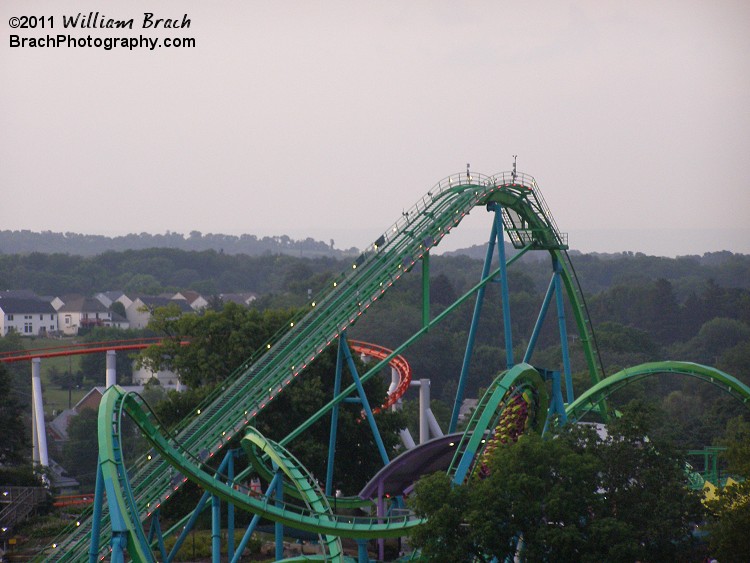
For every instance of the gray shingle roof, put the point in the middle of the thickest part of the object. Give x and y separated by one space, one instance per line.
17 306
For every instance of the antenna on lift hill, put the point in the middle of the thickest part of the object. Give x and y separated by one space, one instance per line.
513 174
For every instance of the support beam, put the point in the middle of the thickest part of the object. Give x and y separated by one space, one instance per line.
96 519
215 529
334 417
38 407
426 288
424 405
473 329
539 321
111 378
365 403
507 329
563 330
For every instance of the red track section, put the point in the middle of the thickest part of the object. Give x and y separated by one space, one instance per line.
77 349
398 363
74 500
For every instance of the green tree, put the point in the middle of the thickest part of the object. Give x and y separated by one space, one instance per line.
220 341
80 452
574 497
13 445
730 512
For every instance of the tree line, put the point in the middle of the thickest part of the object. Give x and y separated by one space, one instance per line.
48 242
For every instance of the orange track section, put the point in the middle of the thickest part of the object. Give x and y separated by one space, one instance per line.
398 363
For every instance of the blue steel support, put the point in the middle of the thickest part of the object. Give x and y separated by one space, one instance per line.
254 522
189 526
365 402
563 330
155 532
362 556
509 363
278 527
556 404
119 545
472 331
335 414
196 512
215 529
539 321
426 288
97 516
230 506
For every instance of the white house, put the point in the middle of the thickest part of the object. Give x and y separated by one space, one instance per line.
193 298
28 317
82 312
239 298
140 310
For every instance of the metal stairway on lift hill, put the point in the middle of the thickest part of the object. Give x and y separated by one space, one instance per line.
254 384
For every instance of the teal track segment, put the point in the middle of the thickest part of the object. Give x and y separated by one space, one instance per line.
252 386
518 379
592 397
303 481
315 518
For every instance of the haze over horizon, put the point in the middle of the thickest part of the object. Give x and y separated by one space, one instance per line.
328 119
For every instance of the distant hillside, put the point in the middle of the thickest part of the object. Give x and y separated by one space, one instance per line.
479 251
47 242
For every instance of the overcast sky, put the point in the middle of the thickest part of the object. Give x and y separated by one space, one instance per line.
327 119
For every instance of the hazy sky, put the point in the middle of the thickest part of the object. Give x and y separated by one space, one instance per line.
327 119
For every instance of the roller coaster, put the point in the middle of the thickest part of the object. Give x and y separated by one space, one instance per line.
124 522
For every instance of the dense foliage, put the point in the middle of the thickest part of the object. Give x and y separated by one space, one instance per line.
571 497
730 512
23 242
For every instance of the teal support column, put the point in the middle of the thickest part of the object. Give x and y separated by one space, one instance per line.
563 330
119 545
254 522
362 556
335 414
189 526
154 532
230 506
96 521
215 529
473 330
507 329
365 403
539 321
426 288
556 405
278 527
196 512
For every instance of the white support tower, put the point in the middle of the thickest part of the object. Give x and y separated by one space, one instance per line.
111 368
39 429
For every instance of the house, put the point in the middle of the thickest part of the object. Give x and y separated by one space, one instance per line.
82 312
167 379
109 297
118 321
193 298
239 298
28 317
140 310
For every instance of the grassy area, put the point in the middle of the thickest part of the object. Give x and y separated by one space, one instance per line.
55 398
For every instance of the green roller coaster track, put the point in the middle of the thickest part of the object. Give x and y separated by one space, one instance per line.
137 491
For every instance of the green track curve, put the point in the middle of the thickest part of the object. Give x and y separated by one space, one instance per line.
520 377
591 398
257 382
315 518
